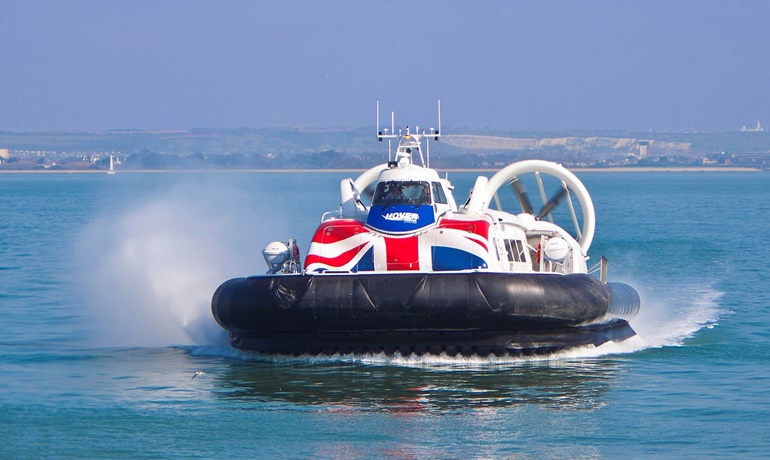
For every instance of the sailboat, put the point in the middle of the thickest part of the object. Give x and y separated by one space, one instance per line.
112 166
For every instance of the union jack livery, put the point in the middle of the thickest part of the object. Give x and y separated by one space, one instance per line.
400 266
345 245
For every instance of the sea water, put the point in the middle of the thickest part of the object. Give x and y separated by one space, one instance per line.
108 348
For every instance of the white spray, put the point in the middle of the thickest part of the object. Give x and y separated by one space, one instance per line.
151 269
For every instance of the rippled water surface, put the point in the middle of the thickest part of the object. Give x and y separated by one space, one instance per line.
108 349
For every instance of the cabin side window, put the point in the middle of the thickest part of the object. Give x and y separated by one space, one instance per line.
438 193
515 249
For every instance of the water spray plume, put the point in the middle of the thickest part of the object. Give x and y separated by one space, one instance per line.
151 269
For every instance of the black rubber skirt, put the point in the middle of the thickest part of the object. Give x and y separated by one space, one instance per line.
456 313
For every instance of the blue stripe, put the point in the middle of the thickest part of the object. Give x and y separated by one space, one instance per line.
366 263
445 258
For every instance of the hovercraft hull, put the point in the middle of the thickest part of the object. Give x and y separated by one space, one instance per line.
477 313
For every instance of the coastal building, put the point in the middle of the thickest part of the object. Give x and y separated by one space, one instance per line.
4 154
643 149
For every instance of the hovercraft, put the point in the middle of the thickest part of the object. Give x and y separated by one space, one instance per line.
410 271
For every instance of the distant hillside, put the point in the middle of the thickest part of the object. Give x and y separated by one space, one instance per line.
359 140
567 144
699 142
358 147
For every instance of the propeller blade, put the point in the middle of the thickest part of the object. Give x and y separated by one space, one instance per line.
521 194
548 207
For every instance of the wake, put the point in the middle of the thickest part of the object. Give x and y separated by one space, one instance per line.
666 319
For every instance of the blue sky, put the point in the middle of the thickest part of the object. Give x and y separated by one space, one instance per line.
540 65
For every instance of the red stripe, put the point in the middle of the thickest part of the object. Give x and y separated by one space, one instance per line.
402 253
480 243
337 230
338 261
478 227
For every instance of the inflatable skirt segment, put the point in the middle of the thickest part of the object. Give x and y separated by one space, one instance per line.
478 313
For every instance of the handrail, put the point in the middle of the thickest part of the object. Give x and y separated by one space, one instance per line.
600 267
333 214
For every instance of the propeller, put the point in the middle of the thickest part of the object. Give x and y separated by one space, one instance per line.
521 194
552 203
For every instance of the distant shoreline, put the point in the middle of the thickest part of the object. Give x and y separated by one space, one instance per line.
484 170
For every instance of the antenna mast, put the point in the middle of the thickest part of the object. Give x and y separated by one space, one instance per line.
434 133
381 134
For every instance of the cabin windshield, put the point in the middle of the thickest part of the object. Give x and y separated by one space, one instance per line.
402 192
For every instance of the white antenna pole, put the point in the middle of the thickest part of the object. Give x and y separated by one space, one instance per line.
389 150
427 151
419 149
393 122
439 116
378 118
